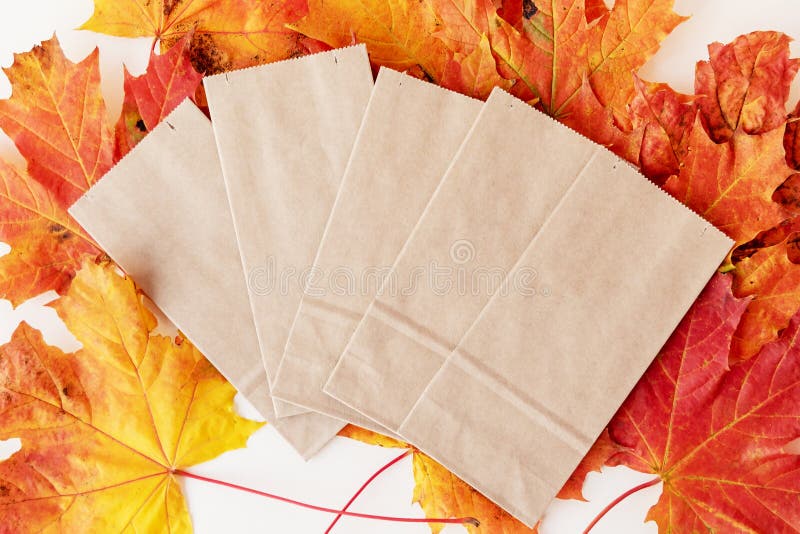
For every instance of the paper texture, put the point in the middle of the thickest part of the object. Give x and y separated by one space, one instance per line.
285 132
162 214
538 376
497 193
411 131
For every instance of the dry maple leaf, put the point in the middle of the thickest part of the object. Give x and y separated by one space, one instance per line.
228 34
56 116
666 119
103 428
170 78
715 435
46 243
442 494
745 85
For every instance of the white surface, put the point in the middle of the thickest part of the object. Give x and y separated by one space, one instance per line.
330 478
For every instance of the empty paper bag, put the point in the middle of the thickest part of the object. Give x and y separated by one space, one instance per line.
411 131
498 191
285 132
536 379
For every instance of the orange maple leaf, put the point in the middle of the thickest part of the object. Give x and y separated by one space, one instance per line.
227 34
57 118
103 429
714 434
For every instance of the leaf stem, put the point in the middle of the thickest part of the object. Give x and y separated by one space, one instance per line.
618 500
456 521
375 475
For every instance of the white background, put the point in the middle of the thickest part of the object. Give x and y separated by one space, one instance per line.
334 474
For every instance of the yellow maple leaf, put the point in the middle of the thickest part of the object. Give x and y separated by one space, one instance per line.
104 428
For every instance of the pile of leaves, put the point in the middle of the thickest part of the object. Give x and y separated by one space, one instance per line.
715 416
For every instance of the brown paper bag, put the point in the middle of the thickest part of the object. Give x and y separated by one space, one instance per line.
284 133
411 131
162 214
541 372
498 191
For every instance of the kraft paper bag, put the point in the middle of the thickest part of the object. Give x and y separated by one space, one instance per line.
410 133
536 379
284 133
162 214
502 185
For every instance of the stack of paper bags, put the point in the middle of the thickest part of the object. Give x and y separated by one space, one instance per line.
471 277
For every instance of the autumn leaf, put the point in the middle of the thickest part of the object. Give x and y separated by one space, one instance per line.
589 117
398 34
666 119
743 185
772 276
568 49
602 451
470 24
56 116
373 438
46 243
745 85
103 429
791 139
442 494
715 435
169 79
227 34
731 184
623 40
558 32
474 74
